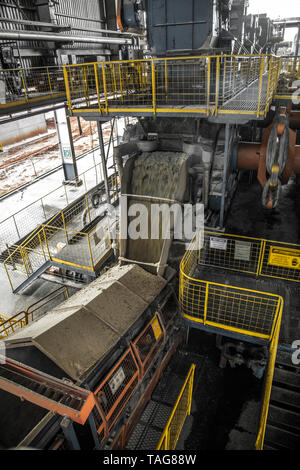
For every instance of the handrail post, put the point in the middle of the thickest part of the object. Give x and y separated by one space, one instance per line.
262 59
153 86
205 303
166 80
105 88
208 87
97 85
67 85
217 85
90 250
49 80
24 85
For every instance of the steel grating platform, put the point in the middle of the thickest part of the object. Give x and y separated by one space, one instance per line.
154 418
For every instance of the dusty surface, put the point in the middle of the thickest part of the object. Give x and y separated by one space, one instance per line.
161 175
83 329
22 163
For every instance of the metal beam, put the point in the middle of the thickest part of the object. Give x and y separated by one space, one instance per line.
103 161
53 37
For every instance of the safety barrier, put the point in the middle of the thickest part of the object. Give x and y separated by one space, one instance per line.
57 243
30 85
181 410
268 385
118 386
290 67
290 70
236 309
24 221
208 85
8 325
257 256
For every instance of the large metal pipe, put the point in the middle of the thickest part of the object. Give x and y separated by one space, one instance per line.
248 157
68 27
52 37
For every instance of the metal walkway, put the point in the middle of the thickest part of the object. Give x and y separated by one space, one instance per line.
225 86
152 428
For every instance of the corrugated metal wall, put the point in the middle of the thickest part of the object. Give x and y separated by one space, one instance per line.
88 14
26 11
81 14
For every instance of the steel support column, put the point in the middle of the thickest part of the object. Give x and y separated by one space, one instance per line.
69 433
66 146
103 161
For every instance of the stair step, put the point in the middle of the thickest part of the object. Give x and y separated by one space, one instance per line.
281 438
285 358
286 397
284 417
286 377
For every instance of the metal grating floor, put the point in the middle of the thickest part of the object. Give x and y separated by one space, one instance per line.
149 429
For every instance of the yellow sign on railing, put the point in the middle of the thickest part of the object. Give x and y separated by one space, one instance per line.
240 310
181 410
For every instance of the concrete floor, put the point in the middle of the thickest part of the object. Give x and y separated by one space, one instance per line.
11 304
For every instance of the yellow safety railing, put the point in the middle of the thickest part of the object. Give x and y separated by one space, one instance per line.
289 75
30 85
22 222
268 384
208 85
181 410
235 309
256 256
8 325
58 243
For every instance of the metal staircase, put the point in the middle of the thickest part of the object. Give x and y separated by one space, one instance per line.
283 424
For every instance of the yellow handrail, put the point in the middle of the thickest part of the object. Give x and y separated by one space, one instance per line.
170 435
268 384
22 319
158 74
237 309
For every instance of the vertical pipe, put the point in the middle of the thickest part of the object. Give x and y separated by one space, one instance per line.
69 432
226 154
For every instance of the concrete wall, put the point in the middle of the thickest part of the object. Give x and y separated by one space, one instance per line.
23 129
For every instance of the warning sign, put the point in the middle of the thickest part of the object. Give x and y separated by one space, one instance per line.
284 258
242 250
117 380
218 243
156 328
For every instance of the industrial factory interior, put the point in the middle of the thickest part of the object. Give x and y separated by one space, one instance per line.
149 227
